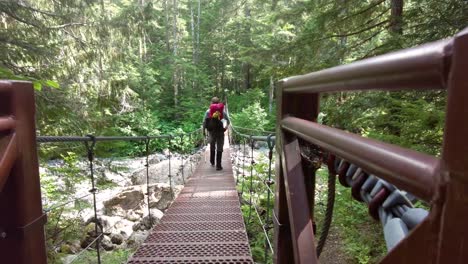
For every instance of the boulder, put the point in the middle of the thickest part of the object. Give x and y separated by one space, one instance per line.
137 238
156 158
90 229
66 249
106 243
86 241
161 196
117 239
127 203
148 222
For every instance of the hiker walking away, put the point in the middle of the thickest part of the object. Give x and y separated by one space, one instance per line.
216 122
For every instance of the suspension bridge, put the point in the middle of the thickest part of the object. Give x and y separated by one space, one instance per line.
205 224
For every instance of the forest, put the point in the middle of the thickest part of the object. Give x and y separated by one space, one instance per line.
144 67
150 67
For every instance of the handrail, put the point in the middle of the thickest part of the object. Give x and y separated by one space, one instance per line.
253 137
22 219
412 235
413 171
47 139
422 67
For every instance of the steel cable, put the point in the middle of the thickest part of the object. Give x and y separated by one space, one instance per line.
90 143
264 225
251 179
52 208
328 212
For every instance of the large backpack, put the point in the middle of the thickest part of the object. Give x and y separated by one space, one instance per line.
213 124
216 110
213 121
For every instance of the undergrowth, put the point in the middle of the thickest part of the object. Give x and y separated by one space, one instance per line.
362 239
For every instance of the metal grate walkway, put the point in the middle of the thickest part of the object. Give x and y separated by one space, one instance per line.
203 225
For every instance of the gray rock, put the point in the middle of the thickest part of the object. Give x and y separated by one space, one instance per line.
161 196
117 239
125 203
137 238
106 243
86 241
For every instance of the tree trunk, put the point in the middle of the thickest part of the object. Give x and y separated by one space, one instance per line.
194 48
396 17
176 68
198 31
166 20
192 27
246 65
271 94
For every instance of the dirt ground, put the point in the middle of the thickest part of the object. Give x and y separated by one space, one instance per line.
333 251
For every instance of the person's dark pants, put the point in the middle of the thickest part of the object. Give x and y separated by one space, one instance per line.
216 140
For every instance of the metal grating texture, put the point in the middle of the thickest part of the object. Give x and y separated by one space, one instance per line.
203 225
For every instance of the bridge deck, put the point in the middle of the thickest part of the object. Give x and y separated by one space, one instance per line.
203 225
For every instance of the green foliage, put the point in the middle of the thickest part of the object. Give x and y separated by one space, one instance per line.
261 201
111 257
248 110
61 228
410 119
69 173
363 239
37 84
253 116
150 67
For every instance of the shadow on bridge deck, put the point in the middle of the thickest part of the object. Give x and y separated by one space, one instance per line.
203 225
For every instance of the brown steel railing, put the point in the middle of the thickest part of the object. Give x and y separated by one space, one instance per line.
443 182
21 216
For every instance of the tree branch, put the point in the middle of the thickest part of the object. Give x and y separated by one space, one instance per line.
37 10
359 31
372 5
68 25
365 40
12 15
376 17
21 44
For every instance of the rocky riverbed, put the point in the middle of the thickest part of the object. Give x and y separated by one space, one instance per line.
121 197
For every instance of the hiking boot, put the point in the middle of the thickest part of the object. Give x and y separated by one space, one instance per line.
219 155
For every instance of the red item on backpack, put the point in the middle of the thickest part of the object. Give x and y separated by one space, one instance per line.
217 108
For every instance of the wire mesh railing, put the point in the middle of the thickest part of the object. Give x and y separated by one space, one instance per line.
394 208
243 160
90 142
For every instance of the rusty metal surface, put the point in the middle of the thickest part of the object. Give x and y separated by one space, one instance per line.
203 225
296 196
412 171
289 229
422 67
21 219
454 171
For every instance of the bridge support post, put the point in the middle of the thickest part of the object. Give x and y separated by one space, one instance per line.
22 239
291 188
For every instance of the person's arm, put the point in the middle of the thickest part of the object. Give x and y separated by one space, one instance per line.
227 118
204 120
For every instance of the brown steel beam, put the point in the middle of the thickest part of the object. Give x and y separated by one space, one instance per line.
306 107
296 195
21 219
453 236
422 67
407 169
8 155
